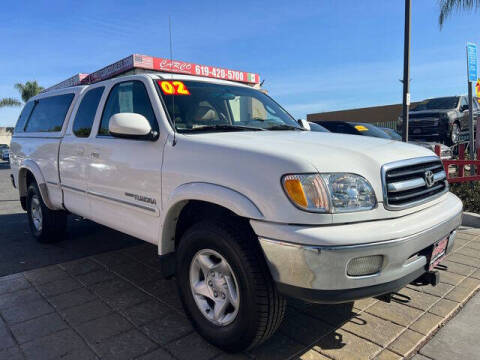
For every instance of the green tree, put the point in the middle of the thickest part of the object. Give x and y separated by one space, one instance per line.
448 6
27 90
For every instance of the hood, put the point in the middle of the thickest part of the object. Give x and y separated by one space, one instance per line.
325 151
306 151
253 163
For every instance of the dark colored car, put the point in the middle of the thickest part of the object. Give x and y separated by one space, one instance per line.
317 127
354 128
4 152
385 133
441 119
393 134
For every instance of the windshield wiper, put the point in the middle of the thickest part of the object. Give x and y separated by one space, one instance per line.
284 127
222 128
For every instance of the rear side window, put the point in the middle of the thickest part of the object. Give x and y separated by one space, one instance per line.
49 113
27 110
127 97
82 125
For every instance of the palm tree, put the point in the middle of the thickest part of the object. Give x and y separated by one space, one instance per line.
448 6
27 90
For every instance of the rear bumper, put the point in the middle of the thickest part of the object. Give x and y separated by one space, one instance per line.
318 273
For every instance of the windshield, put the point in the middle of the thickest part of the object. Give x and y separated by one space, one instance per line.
202 106
443 103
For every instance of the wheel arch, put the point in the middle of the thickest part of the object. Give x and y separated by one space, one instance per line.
202 197
28 171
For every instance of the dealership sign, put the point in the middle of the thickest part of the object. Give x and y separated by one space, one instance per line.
146 62
472 62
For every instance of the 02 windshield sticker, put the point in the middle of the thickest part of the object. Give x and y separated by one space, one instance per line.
361 128
173 87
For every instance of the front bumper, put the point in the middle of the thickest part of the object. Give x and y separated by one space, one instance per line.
307 264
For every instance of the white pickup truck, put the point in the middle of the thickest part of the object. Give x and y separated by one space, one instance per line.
244 205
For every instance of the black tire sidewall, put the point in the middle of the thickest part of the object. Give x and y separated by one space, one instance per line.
241 332
33 190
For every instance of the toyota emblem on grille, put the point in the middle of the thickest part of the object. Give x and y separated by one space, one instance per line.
429 178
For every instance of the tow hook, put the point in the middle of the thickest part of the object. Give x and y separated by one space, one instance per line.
429 278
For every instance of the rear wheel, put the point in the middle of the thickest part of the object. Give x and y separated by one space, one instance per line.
47 226
226 287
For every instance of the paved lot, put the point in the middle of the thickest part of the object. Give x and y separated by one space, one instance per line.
113 305
19 252
459 338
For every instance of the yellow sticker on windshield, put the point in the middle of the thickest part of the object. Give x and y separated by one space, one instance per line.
361 128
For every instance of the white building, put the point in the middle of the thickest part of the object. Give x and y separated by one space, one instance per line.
5 135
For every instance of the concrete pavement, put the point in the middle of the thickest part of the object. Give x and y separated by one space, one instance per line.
459 339
114 305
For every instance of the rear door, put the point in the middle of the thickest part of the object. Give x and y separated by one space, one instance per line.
74 161
124 180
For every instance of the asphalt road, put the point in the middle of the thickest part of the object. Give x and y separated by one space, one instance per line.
18 249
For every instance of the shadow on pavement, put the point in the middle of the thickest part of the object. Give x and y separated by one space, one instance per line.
21 252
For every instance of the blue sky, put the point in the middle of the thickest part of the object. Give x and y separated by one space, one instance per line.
314 56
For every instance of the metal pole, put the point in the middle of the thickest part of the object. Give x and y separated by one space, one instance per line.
406 72
470 122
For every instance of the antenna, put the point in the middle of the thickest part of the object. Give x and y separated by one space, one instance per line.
174 142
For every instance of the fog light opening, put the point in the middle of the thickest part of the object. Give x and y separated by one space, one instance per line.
365 265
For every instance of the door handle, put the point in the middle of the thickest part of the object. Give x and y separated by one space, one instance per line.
95 155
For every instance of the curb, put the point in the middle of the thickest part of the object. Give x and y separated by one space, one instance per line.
471 219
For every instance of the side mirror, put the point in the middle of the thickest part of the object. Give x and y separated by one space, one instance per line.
131 126
463 108
304 124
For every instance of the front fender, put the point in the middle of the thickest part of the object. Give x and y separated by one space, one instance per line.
228 198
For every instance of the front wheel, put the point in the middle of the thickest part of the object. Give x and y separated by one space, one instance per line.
226 287
47 226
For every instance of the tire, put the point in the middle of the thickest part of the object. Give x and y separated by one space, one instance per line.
454 135
47 226
260 308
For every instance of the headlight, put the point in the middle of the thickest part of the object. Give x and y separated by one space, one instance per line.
338 192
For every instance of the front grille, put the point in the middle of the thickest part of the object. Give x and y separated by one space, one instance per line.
411 182
425 115
424 123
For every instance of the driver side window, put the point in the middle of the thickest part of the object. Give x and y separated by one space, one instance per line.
127 97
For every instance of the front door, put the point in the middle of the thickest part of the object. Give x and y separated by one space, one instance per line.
124 182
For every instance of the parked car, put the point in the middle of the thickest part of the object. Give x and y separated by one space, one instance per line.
317 127
446 152
392 133
244 205
4 150
441 119
354 128
386 133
